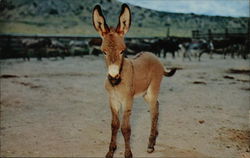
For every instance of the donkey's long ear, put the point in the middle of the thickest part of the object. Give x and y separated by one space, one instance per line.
99 21
124 20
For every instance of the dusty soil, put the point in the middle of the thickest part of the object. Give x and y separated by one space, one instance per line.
60 108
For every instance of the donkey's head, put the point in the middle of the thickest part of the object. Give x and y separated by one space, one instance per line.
113 44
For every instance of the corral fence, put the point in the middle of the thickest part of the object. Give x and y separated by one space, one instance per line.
11 45
233 41
227 34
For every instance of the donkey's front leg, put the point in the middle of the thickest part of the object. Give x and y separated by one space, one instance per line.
126 129
114 126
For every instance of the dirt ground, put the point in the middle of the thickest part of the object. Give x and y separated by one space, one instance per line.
60 108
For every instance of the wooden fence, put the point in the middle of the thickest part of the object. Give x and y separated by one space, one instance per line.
11 44
209 35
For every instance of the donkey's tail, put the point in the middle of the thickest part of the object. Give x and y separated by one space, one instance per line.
170 73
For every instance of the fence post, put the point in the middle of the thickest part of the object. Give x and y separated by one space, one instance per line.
226 32
210 34
167 30
195 33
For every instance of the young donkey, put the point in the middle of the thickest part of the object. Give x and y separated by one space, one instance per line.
127 78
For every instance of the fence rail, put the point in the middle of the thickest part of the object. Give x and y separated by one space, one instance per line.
11 44
209 35
13 35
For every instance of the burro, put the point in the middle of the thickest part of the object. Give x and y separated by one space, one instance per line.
127 78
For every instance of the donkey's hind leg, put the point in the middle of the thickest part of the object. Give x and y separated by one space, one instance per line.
151 99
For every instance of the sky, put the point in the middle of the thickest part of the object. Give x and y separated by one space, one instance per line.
234 8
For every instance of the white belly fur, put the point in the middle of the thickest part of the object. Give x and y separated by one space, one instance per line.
139 94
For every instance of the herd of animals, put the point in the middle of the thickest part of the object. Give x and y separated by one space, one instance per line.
187 48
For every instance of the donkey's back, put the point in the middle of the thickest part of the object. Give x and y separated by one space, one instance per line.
147 69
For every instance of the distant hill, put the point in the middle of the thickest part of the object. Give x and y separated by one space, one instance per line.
74 17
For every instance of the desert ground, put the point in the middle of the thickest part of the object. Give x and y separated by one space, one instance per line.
59 108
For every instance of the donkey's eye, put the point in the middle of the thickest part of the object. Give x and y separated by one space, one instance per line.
122 52
104 53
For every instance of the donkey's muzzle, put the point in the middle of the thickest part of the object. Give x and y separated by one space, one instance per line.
114 80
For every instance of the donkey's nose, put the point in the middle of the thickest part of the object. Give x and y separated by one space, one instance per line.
116 76
113 70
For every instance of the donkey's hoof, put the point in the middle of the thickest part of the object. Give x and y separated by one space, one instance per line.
109 154
128 154
150 149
